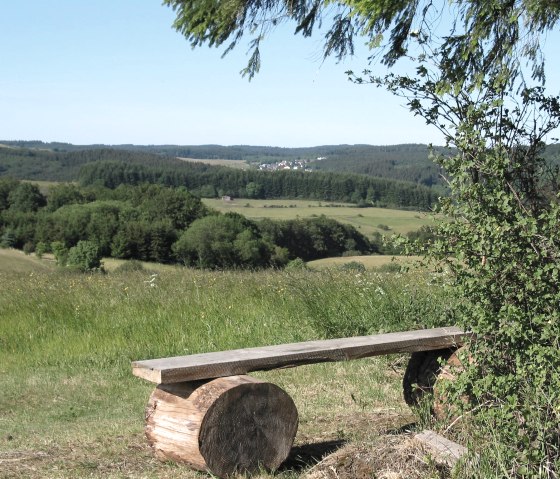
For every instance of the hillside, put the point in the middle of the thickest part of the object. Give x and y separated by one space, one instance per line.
112 167
400 162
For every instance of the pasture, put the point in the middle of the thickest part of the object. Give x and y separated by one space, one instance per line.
366 220
238 164
70 406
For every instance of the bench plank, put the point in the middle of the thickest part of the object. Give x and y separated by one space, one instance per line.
242 361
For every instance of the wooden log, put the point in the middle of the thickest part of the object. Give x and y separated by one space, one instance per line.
227 425
242 361
421 374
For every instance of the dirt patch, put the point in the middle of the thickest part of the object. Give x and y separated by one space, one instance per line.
389 457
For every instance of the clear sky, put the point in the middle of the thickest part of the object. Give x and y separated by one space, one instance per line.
114 72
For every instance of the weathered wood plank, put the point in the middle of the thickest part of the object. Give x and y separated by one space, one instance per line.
242 361
443 449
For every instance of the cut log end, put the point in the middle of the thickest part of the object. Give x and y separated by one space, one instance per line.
227 425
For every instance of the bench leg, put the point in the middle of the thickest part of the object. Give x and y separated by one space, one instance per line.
424 376
226 425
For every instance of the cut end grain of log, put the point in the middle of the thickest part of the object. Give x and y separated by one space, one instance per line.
225 426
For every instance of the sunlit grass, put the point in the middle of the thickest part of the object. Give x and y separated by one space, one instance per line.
366 220
67 340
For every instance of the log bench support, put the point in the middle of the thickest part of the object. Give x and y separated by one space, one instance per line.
207 413
235 424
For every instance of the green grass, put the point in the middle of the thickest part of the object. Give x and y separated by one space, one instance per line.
366 220
238 164
70 406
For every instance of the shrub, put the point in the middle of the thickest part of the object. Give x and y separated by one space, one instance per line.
296 264
85 256
354 266
129 266
41 248
60 252
28 248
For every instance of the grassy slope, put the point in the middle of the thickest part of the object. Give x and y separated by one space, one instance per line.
366 220
71 408
15 261
370 262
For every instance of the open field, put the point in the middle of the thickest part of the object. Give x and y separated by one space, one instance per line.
370 262
239 164
366 220
15 261
70 407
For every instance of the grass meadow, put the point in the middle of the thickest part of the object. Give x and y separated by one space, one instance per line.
366 220
239 164
70 407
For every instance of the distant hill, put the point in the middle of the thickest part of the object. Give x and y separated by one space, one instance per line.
396 167
399 162
111 167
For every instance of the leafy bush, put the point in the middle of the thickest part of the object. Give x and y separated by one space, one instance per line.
28 248
60 252
129 266
353 266
41 248
85 256
296 264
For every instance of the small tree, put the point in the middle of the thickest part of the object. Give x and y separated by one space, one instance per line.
85 256
60 252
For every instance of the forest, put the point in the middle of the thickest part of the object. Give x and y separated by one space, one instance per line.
111 167
148 222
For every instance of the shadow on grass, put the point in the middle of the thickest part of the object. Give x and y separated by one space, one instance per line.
307 455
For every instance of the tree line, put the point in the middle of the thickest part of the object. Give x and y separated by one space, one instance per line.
157 223
219 181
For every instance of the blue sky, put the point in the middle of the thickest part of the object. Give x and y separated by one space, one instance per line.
114 71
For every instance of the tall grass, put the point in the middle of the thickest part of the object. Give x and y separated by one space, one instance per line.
66 342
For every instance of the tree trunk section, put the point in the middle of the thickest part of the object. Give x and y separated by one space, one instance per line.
228 425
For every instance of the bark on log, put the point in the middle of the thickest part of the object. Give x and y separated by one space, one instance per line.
228 425
421 374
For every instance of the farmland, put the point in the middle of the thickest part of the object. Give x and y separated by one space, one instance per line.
239 164
366 220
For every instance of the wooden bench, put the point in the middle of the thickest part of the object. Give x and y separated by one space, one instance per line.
206 412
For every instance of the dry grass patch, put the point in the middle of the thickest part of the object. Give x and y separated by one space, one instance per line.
15 261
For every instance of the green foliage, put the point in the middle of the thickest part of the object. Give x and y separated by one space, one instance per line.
8 239
28 248
63 194
26 198
314 238
129 266
60 252
223 241
500 243
7 185
325 186
41 248
85 256
483 38
353 266
296 264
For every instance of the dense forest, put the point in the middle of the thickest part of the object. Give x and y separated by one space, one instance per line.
406 162
162 224
110 168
